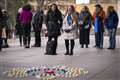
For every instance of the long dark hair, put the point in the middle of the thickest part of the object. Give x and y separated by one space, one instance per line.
109 10
50 9
27 7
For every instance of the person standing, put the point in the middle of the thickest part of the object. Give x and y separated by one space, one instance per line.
70 29
25 18
84 23
111 23
54 23
37 26
19 27
1 28
98 22
7 28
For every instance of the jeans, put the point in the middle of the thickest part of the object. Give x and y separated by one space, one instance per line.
112 38
99 39
21 36
26 34
21 39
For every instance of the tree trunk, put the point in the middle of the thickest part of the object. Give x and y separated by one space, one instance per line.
40 3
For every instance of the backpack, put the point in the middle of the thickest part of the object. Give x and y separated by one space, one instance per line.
50 47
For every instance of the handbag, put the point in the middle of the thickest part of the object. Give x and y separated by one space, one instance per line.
67 30
50 47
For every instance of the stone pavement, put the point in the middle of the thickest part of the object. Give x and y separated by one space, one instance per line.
102 64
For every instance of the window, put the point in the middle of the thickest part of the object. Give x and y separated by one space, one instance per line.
82 1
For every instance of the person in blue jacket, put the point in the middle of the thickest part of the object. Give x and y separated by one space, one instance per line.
98 23
111 23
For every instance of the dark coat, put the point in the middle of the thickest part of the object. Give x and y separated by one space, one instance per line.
86 18
18 26
111 22
3 20
54 23
37 21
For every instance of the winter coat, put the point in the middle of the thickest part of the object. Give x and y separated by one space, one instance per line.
70 27
37 21
84 20
54 23
4 23
111 22
1 21
98 21
25 17
84 23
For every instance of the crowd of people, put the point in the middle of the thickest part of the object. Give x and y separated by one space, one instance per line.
72 25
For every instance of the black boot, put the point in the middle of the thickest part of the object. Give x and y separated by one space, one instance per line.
72 47
20 40
82 45
71 52
0 48
67 47
55 48
86 45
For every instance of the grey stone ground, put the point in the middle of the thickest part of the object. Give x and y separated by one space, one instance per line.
101 64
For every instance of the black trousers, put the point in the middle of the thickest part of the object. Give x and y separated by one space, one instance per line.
21 36
96 39
37 38
55 40
21 39
26 34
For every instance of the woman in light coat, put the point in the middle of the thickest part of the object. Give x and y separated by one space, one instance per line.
70 29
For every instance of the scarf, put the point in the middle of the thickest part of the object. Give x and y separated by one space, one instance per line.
69 20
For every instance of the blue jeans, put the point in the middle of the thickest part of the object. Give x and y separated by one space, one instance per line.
112 38
99 39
